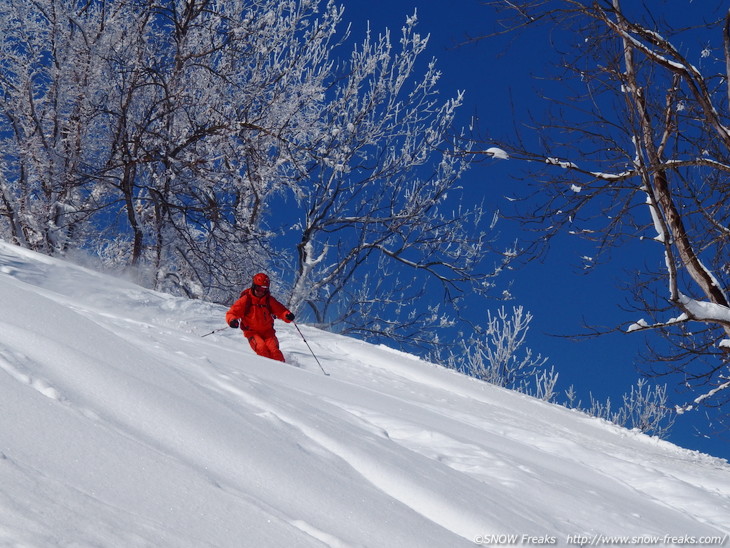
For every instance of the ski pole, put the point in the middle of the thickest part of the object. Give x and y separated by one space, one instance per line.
310 349
214 331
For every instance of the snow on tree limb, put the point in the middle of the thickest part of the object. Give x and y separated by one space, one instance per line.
707 395
644 134
704 311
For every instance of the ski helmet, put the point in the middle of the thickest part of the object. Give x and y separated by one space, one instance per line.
261 280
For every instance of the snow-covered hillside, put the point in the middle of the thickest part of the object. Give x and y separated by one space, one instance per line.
121 426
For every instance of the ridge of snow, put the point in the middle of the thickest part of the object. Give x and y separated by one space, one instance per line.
123 427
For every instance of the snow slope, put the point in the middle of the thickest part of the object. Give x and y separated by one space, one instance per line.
121 426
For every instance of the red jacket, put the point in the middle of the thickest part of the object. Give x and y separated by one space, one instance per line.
257 313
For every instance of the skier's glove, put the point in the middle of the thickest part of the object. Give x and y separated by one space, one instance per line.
234 324
289 317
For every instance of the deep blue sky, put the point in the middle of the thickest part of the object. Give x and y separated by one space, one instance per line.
561 298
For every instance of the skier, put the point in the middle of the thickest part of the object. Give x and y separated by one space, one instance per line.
254 313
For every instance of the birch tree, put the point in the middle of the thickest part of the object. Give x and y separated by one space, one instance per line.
638 149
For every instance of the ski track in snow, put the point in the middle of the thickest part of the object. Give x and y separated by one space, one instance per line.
129 429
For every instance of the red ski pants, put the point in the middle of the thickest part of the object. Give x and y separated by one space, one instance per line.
266 346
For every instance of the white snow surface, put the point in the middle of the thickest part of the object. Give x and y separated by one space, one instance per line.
122 427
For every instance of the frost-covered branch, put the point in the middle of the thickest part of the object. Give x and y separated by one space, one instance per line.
499 356
380 194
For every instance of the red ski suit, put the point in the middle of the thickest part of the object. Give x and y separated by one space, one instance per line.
256 315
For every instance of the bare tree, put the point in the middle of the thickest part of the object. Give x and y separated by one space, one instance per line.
196 141
639 149
209 107
376 235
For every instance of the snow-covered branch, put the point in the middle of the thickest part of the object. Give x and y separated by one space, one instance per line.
642 155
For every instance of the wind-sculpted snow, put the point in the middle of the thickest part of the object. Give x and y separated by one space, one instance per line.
122 426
